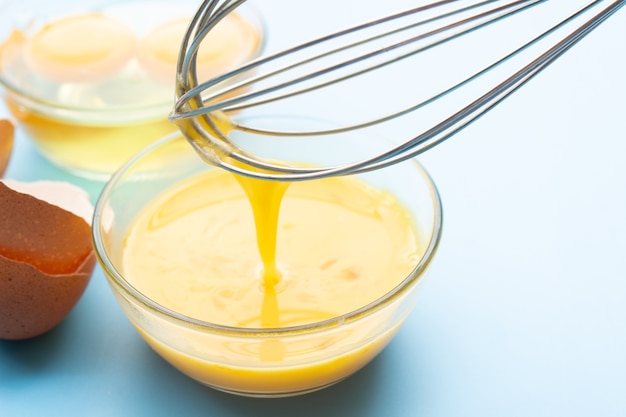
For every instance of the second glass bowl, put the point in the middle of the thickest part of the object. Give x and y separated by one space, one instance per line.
92 82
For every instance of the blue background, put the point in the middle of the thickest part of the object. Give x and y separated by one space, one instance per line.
522 314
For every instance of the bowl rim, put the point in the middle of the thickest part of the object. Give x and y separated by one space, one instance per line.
116 278
251 14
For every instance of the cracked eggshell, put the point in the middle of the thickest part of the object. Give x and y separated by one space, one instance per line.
46 255
7 133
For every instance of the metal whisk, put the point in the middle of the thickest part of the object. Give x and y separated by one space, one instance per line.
466 69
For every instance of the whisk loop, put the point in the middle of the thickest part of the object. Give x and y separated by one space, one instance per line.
474 64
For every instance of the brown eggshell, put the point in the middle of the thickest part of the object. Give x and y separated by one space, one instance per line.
33 302
46 260
7 132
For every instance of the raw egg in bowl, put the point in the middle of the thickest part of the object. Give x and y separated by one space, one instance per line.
91 83
265 288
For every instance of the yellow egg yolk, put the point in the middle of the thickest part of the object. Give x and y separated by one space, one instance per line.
229 43
81 48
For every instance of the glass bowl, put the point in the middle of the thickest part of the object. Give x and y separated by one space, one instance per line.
92 82
254 360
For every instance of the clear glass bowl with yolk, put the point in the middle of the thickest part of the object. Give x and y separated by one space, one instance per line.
92 82
182 248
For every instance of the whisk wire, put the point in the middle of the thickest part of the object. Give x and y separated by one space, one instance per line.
212 102
195 107
476 109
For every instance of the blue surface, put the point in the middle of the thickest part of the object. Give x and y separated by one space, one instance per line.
522 314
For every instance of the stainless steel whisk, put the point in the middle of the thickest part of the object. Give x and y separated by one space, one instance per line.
314 72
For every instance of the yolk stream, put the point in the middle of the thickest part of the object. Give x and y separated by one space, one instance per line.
265 200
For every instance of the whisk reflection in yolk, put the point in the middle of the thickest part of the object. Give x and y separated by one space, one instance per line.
231 41
81 48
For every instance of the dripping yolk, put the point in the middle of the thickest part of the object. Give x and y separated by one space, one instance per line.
81 48
228 44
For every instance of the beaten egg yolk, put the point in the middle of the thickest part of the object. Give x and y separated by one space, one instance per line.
231 41
81 48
